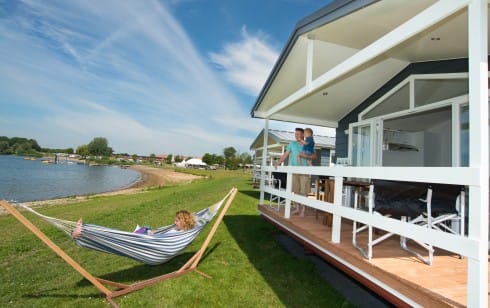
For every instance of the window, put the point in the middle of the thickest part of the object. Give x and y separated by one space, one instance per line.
429 91
400 100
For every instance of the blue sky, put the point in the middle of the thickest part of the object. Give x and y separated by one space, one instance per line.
162 77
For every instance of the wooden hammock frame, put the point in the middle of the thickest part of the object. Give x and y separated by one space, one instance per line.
99 283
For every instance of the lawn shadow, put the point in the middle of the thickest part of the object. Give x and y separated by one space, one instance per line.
251 193
142 272
61 295
291 273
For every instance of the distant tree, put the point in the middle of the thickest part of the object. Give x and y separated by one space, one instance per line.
134 157
33 145
67 150
82 150
169 159
232 163
19 146
230 158
245 158
213 159
208 158
152 158
99 147
4 146
229 152
220 160
178 158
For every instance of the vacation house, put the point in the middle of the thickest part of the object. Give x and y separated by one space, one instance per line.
405 84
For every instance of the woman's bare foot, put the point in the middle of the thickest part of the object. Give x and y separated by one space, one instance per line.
78 229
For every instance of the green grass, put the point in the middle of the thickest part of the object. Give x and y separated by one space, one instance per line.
248 267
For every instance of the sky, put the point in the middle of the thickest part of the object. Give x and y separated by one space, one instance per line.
152 77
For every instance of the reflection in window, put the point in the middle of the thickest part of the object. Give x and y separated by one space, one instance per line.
361 145
429 91
400 100
464 136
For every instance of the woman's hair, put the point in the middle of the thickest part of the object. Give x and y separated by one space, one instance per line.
187 219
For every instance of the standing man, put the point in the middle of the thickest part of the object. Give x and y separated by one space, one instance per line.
301 182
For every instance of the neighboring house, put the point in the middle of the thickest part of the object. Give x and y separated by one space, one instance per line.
405 84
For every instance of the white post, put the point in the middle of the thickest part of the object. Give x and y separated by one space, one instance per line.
309 61
477 288
265 148
289 186
337 200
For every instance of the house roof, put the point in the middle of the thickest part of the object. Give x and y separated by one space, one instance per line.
285 137
349 49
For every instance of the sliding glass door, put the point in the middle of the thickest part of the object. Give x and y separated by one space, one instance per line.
364 143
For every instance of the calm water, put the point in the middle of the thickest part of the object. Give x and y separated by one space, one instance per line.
28 180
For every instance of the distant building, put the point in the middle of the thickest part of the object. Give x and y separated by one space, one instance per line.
192 163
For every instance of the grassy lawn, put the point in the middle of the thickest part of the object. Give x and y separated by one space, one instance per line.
248 267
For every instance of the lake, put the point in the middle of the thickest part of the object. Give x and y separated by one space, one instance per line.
24 180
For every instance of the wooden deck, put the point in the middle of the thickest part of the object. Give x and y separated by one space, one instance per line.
393 273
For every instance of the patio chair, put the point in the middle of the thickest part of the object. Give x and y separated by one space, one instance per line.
437 206
324 191
445 211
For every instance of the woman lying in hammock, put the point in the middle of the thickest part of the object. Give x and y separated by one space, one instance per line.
184 220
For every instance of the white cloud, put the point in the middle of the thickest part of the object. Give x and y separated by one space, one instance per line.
248 62
126 71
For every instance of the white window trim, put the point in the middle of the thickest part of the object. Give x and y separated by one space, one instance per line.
411 80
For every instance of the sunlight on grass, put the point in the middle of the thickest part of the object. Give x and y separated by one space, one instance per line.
247 266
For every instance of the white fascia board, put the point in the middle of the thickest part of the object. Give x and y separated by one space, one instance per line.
413 26
305 120
260 114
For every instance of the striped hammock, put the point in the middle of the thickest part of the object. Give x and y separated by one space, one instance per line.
149 249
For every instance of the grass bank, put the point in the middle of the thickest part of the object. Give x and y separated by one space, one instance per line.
248 267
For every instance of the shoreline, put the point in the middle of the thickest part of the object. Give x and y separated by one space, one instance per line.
149 177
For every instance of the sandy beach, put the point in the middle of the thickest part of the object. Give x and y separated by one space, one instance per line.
150 177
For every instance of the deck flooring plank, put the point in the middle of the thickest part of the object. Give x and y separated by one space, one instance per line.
443 283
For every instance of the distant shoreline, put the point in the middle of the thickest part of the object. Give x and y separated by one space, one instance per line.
149 177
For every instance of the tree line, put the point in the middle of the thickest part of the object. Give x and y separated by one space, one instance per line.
99 147
230 159
24 146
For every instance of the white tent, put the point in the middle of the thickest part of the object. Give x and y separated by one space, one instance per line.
195 163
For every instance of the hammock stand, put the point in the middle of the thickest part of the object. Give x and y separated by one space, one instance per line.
99 283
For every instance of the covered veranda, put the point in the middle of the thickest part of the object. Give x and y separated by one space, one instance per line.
336 60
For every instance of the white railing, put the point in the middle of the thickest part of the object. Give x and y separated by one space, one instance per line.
462 245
